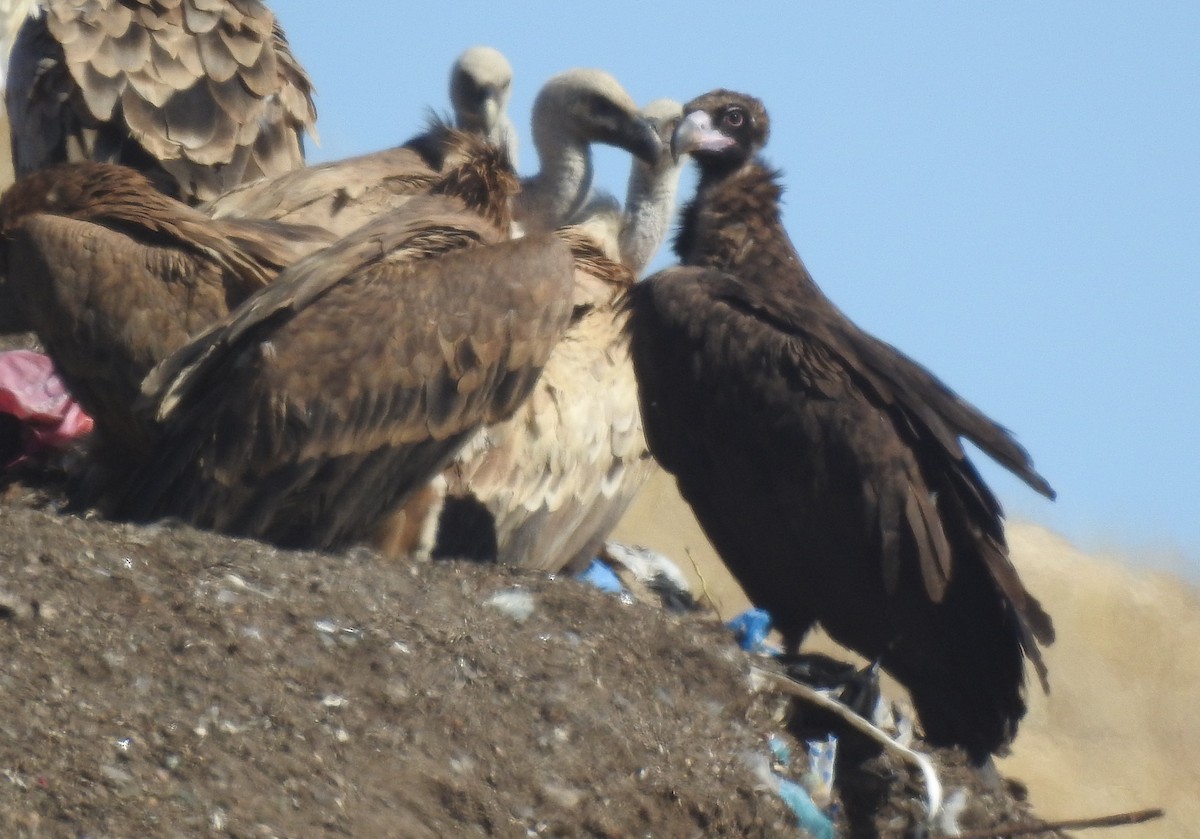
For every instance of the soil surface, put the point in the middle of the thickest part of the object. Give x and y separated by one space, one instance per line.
167 682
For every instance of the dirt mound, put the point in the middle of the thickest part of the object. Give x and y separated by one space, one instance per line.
168 682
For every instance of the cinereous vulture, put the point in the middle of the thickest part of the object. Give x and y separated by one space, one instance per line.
826 466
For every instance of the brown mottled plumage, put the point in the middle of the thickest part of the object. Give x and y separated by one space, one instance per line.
340 196
114 276
544 488
555 478
825 465
309 415
201 96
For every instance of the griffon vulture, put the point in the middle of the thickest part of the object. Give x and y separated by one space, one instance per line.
572 111
200 95
544 488
825 465
480 87
313 411
584 106
633 233
113 276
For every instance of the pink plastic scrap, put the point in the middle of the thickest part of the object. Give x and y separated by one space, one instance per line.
32 392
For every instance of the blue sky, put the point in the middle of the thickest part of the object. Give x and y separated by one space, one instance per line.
1009 192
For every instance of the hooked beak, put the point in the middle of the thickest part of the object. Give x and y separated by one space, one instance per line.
696 133
643 142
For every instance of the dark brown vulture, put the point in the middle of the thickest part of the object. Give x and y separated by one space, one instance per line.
114 276
544 488
573 110
200 95
825 465
312 412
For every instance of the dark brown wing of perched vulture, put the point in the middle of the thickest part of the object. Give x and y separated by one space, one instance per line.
350 381
825 465
199 94
545 487
114 276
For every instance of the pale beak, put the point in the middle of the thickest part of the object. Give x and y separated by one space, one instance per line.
696 133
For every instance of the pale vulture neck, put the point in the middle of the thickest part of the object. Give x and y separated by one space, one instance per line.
562 184
649 207
504 134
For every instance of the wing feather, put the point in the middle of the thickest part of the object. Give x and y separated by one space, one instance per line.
555 477
114 277
181 91
332 395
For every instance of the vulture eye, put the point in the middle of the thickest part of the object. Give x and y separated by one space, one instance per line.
735 117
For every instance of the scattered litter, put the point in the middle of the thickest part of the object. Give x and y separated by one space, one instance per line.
807 813
767 680
650 574
328 627
47 417
751 629
240 583
806 810
818 780
517 603
334 701
779 748
600 575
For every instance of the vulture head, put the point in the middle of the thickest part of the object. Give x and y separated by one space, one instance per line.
721 130
480 87
573 110
664 116
584 106
650 197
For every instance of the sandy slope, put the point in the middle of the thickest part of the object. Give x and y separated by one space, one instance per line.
1118 731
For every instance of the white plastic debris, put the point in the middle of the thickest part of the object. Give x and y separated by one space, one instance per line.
517 603
646 564
946 823
818 780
